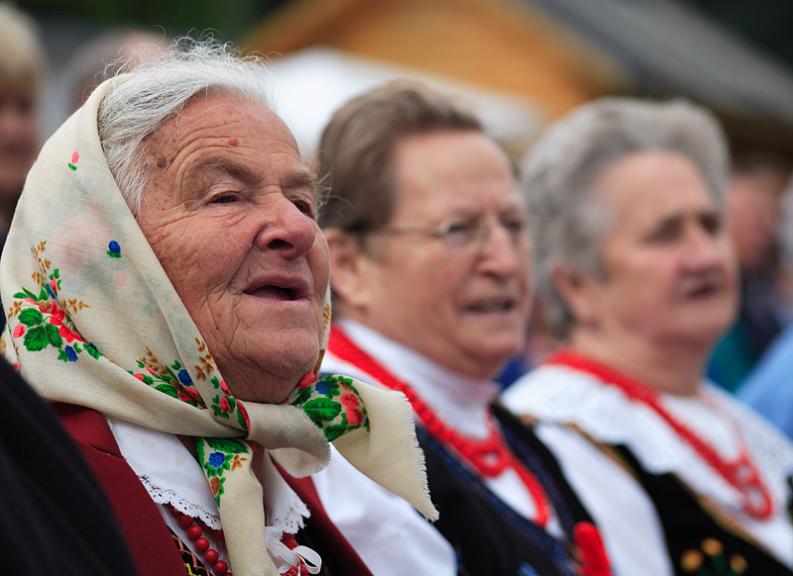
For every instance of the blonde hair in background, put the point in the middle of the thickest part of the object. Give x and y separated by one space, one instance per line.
21 52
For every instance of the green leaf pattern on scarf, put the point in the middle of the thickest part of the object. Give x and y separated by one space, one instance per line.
43 319
333 404
172 379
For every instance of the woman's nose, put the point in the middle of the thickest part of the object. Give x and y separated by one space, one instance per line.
705 249
286 229
500 251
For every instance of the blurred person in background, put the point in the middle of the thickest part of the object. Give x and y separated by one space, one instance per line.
634 261
172 299
769 387
430 271
754 197
101 57
21 76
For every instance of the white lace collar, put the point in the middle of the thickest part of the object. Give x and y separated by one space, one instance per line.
172 476
557 394
458 400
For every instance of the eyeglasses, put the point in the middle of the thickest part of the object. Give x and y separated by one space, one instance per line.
464 234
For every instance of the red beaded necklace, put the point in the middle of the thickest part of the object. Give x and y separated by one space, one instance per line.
490 456
741 472
196 532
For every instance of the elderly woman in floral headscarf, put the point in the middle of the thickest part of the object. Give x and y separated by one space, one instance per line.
165 282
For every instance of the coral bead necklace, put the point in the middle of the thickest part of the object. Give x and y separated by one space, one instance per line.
741 472
197 533
489 456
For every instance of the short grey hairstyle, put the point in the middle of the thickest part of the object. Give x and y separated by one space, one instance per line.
562 167
138 101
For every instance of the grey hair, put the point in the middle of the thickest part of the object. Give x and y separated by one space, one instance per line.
561 170
138 101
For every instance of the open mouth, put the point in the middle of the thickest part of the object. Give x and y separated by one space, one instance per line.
492 305
704 290
283 289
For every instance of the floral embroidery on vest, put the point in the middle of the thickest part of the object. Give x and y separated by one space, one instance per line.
332 403
42 320
711 560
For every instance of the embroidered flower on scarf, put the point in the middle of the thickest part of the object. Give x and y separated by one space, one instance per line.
184 377
172 379
75 158
333 404
42 320
216 485
217 459
219 456
114 249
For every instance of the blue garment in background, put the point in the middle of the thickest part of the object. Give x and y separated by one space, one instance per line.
769 388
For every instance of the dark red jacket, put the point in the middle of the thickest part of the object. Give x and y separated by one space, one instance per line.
147 535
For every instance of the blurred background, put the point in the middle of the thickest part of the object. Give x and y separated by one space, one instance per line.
520 64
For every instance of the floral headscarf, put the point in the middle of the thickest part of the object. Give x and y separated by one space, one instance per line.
93 320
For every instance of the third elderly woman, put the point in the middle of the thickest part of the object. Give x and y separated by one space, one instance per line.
639 279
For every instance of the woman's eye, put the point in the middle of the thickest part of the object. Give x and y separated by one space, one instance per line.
305 207
224 199
514 226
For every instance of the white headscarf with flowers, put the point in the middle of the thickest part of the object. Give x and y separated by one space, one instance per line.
93 320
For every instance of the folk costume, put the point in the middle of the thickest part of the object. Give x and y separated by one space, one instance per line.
678 484
95 323
503 504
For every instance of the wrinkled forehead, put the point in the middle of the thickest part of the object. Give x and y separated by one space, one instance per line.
234 118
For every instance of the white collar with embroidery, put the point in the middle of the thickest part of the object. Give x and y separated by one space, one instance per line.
460 401
172 476
561 395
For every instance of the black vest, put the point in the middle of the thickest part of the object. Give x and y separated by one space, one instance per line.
489 536
698 539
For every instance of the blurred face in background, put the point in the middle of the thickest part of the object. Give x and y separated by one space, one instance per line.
449 275
754 206
19 136
670 273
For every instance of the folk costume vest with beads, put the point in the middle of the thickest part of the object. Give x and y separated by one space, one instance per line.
701 540
503 541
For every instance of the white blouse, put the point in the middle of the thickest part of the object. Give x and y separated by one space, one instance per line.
560 397
174 478
462 403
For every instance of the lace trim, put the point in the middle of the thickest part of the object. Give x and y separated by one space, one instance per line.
292 519
563 396
165 496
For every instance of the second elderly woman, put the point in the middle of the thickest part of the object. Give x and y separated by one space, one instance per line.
639 278
427 234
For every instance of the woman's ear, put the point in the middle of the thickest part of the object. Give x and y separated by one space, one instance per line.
579 293
348 266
